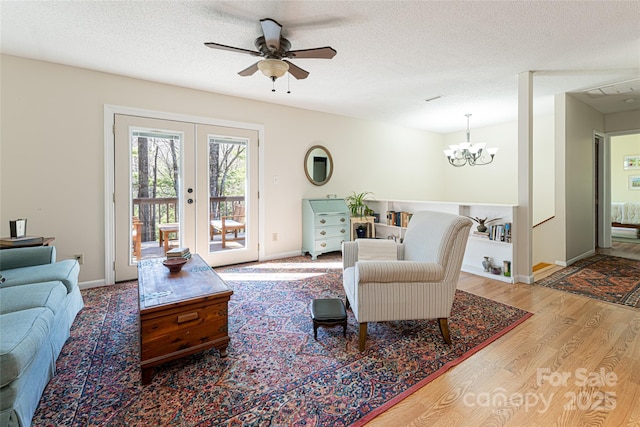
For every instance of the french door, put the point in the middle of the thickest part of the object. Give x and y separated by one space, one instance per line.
183 185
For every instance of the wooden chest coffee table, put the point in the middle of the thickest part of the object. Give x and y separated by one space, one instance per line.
180 313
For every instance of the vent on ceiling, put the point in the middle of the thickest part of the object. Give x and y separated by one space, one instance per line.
630 87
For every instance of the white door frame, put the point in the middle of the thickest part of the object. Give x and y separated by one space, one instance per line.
109 162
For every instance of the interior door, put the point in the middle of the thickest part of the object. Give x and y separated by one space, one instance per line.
227 196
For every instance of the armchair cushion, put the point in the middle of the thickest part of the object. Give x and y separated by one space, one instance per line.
376 249
398 271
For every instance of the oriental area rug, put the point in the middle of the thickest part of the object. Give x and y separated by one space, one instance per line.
275 373
601 277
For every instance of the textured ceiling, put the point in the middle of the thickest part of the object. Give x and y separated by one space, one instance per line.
392 55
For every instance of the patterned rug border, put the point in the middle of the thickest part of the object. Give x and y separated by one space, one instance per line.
555 281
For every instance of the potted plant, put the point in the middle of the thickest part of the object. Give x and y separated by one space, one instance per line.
361 231
482 223
355 203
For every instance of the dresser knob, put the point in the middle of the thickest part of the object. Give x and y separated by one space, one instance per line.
322 221
342 219
323 232
343 231
323 244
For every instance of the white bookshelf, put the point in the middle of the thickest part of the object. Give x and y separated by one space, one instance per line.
477 246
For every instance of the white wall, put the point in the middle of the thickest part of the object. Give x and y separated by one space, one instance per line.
493 183
620 122
52 160
570 235
581 123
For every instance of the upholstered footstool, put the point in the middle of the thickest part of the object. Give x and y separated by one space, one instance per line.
328 312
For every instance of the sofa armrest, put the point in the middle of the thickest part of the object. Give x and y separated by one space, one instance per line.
398 271
66 271
27 257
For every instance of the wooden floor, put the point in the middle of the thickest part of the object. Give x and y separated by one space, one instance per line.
576 362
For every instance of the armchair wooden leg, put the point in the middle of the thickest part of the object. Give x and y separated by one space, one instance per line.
363 336
444 329
347 304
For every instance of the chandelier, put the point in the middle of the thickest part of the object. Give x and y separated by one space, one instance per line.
469 154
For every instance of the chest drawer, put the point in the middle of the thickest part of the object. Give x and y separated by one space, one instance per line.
326 220
182 327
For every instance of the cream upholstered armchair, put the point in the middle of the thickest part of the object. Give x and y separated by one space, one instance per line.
416 279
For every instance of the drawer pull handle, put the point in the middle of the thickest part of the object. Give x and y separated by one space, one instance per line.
322 221
187 317
342 219
323 244
323 232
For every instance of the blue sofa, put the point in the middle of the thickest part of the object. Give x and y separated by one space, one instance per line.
39 300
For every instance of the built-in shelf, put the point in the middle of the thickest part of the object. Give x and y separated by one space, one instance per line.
477 246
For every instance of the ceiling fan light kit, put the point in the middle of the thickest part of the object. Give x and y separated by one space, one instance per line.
275 50
273 68
470 154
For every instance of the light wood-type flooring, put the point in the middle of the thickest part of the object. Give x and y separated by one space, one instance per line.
576 362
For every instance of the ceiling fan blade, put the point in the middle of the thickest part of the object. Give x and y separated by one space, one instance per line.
272 32
296 71
231 48
319 52
249 70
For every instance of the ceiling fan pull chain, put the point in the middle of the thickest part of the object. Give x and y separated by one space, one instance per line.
273 84
288 82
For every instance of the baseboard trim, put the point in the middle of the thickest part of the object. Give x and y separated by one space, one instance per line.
92 284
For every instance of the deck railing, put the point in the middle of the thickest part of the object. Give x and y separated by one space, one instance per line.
162 210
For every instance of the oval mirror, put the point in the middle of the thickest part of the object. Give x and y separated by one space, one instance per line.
318 165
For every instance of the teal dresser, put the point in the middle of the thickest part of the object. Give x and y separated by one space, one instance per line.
325 225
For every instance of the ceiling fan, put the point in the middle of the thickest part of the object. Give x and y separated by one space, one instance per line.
275 50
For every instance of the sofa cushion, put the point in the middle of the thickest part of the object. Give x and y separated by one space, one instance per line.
23 333
65 271
46 294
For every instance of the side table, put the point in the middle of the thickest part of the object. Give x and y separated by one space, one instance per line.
45 241
369 221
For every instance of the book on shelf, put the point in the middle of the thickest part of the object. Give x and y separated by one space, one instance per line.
500 232
391 217
481 233
17 241
404 219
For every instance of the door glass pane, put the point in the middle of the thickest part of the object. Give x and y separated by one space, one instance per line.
155 183
227 192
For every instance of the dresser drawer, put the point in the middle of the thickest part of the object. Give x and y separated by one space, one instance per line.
324 220
329 245
182 328
328 232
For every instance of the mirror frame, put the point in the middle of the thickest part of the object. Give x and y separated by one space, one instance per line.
307 158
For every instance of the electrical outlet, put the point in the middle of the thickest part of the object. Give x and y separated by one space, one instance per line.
79 258
274 237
